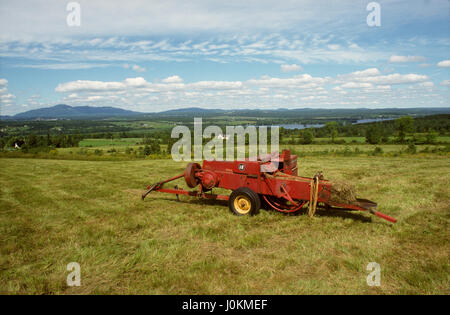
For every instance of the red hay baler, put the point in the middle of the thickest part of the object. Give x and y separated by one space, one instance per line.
270 178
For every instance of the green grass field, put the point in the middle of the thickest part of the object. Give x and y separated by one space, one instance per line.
53 212
121 145
362 140
109 142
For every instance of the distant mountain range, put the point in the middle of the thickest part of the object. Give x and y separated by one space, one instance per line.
63 111
304 113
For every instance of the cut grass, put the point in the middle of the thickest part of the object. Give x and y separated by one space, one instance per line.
109 142
53 212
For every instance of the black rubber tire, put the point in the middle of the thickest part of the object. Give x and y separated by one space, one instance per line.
255 201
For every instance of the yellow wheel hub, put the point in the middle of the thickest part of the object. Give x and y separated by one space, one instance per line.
242 204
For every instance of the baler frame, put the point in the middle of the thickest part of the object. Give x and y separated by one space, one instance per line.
278 185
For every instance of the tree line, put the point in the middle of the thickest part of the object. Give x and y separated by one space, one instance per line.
400 130
33 141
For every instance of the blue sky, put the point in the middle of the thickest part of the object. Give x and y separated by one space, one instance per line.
156 55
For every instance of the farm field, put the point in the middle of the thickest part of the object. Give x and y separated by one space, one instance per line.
53 212
322 141
109 142
362 140
121 145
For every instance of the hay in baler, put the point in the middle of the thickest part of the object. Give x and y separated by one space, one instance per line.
342 192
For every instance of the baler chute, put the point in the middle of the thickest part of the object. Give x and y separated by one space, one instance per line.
268 178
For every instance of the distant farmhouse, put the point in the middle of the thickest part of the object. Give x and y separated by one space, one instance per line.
223 137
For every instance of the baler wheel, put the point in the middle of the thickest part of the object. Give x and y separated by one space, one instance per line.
244 201
189 174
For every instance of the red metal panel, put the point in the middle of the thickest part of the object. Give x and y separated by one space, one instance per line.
235 174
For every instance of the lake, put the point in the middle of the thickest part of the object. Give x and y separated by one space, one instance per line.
304 126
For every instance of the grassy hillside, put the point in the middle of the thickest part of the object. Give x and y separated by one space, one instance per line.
53 212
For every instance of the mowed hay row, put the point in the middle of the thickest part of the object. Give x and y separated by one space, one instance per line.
56 212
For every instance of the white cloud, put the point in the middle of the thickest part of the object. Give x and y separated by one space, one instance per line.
428 84
6 98
299 80
366 73
396 78
136 82
290 68
114 51
373 75
445 83
86 85
133 67
356 85
369 79
99 52
444 63
395 58
169 17
64 66
162 31
138 68
383 87
173 79
334 46
363 88
216 85
281 96
358 75
312 97
106 18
